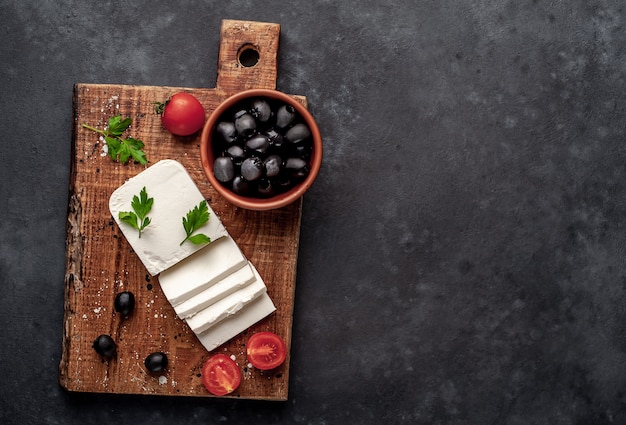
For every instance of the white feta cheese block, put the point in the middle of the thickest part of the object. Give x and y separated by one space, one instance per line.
226 307
231 283
203 269
228 328
175 194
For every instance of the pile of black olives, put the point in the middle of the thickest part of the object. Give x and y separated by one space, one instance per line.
262 148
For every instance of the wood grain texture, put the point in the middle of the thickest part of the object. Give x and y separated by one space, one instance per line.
100 262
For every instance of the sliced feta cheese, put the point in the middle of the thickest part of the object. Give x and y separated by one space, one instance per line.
213 286
225 307
174 193
203 269
228 328
231 283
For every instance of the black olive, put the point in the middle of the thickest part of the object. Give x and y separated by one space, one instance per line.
223 169
283 181
275 138
105 346
124 303
261 110
258 144
272 165
265 188
236 153
298 133
285 115
297 167
226 131
252 168
156 362
240 186
245 125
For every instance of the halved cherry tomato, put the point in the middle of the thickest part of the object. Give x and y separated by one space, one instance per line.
266 350
221 375
182 114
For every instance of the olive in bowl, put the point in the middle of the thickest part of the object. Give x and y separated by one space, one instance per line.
261 149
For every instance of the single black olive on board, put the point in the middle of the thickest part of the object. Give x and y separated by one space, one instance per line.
124 303
156 362
105 346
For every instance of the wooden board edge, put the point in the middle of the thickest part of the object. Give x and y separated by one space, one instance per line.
73 248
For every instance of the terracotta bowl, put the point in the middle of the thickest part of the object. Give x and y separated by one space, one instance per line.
208 156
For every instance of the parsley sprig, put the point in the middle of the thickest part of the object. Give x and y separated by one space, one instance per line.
119 147
141 206
196 218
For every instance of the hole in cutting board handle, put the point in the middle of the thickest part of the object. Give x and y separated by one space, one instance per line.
248 56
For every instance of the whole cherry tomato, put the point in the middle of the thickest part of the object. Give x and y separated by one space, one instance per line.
182 114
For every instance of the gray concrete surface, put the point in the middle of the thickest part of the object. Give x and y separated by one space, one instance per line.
462 254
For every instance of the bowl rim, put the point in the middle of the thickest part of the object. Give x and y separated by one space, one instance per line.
282 199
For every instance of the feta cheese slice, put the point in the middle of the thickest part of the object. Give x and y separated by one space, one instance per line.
213 287
226 307
174 193
232 326
216 292
203 269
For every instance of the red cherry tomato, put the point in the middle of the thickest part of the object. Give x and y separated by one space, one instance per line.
266 350
221 375
182 114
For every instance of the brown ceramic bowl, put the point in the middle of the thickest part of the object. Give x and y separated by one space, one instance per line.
282 199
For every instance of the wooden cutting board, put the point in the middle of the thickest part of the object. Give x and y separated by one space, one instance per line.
100 262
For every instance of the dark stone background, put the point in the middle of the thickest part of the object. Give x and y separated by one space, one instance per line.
462 253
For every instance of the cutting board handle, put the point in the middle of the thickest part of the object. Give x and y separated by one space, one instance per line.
248 56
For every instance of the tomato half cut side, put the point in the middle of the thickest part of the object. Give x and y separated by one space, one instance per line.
266 350
221 375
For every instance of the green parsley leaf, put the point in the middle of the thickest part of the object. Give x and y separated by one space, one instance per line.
199 239
141 206
120 148
196 218
117 125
